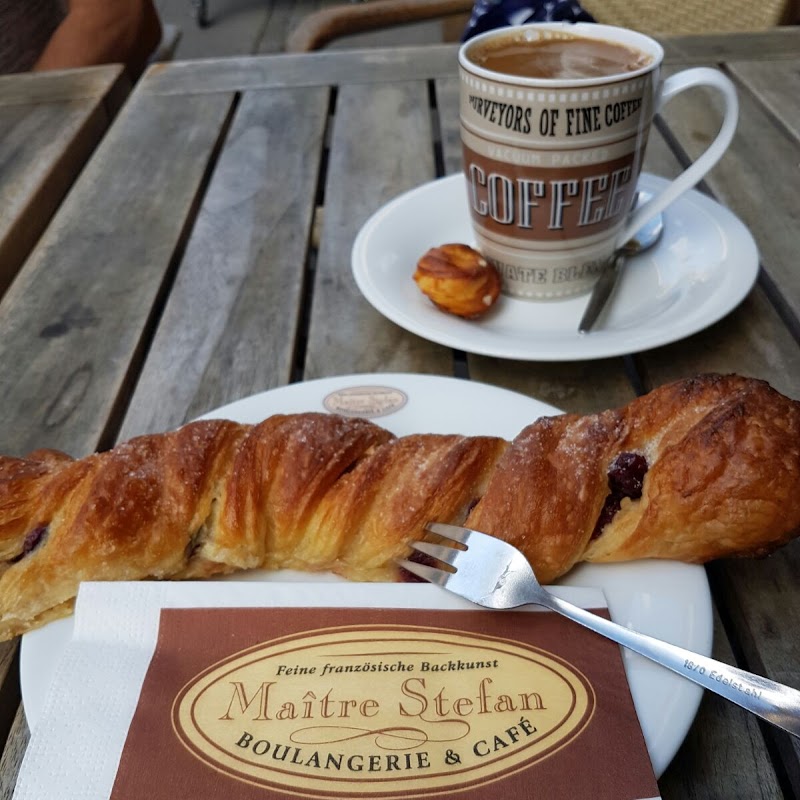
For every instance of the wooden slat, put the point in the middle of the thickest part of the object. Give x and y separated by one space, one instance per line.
32 88
9 686
754 178
12 755
77 315
775 44
579 387
753 339
381 146
49 125
42 149
324 67
775 86
242 273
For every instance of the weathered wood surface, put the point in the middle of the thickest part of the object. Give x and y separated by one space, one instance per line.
321 68
76 320
380 146
774 86
49 125
243 269
773 45
211 281
763 155
9 686
44 88
13 752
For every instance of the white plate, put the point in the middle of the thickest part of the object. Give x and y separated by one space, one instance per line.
702 268
665 599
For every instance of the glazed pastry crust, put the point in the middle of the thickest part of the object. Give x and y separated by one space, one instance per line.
323 492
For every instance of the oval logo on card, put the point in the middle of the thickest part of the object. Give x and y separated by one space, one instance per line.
381 711
365 401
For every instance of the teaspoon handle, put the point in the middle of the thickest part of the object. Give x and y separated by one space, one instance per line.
602 291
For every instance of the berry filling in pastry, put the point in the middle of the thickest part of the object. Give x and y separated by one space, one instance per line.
32 540
625 479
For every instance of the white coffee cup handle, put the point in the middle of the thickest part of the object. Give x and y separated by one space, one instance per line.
698 76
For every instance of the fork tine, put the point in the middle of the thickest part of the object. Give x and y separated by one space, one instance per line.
439 552
423 571
454 532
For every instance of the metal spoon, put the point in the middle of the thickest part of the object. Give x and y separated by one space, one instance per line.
647 236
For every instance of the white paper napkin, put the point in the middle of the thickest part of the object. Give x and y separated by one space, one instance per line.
77 741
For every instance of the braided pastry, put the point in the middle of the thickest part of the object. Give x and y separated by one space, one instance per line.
695 470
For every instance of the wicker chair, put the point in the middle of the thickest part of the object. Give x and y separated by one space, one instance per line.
648 16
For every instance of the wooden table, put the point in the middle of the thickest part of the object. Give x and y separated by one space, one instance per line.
204 255
50 122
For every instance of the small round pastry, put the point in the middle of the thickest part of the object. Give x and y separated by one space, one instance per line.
458 279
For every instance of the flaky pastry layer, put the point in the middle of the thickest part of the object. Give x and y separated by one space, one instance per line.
718 461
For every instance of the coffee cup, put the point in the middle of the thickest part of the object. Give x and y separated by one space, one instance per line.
554 122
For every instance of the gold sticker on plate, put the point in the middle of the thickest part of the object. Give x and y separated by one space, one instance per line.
381 711
365 401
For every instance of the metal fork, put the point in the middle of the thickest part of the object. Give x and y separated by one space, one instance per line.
494 574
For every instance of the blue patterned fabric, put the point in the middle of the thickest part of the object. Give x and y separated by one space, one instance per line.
489 14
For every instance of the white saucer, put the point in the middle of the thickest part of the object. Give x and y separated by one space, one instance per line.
703 267
666 599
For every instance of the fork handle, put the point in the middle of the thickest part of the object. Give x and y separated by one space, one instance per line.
767 699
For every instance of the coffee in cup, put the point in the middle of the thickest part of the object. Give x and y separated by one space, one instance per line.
558 58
